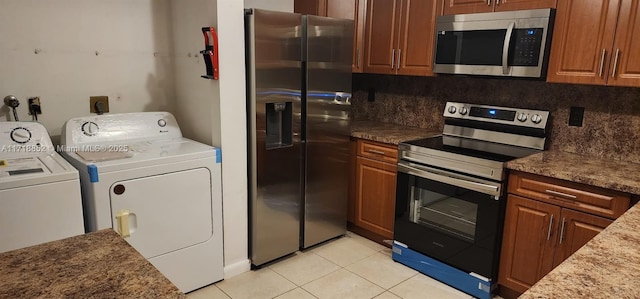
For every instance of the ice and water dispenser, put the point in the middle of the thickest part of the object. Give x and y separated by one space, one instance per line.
279 124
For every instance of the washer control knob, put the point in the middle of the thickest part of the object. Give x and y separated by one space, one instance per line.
536 119
463 110
20 135
452 109
522 117
162 123
90 128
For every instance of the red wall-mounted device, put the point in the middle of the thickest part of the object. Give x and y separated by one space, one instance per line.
210 53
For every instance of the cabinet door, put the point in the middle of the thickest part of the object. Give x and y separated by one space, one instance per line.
627 46
381 36
452 7
375 196
576 229
417 29
352 10
505 5
310 7
583 36
527 243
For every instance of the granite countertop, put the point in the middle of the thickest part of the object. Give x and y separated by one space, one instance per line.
608 266
616 175
94 265
388 133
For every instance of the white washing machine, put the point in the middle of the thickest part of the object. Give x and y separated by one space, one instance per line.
161 192
39 191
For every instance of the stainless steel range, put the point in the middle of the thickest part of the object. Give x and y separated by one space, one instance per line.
450 193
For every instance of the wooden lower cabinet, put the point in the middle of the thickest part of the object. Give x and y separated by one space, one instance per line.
542 231
374 188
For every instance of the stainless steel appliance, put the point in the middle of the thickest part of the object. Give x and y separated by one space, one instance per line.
450 193
512 43
298 93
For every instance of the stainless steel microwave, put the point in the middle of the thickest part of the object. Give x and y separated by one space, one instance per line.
512 43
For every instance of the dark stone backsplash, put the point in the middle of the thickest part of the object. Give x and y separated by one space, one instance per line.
611 126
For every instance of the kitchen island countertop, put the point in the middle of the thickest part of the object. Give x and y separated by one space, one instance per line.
388 133
94 265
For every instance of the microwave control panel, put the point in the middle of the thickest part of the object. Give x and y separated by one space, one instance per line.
526 51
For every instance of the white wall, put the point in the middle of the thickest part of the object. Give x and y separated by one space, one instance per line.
197 99
277 5
117 48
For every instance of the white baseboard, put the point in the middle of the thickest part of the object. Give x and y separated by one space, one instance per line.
237 268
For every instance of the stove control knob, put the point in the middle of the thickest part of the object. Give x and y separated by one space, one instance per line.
522 117
536 119
90 128
20 135
463 110
452 109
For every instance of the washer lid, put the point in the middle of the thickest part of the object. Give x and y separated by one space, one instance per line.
33 170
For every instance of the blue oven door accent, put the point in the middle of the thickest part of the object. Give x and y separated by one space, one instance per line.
468 283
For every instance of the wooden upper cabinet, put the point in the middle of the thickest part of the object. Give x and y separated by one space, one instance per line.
340 9
475 6
596 42
626 47
310 7
381 36
416 37
400 36
354 10
582 41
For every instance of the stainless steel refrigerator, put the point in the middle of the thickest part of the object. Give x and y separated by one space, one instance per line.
298 93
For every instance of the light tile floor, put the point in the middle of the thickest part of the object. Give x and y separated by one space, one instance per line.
348 267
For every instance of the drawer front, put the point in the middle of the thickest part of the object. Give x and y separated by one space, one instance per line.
590 199
378 151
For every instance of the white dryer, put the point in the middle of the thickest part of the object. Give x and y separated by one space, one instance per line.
39 191
161 192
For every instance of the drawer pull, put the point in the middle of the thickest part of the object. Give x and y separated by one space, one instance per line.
375 152
550 225
561 194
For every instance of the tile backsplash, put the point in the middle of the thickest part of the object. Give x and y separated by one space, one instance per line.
611 126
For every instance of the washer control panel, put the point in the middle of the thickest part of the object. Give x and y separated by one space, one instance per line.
24 137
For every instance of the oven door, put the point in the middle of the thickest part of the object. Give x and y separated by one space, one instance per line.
451 217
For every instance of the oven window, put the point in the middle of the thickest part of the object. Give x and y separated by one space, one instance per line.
444 213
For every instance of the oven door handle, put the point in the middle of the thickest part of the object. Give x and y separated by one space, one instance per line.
459 182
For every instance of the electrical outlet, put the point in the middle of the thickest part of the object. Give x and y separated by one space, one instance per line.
34 106
371 95
576 116
97 101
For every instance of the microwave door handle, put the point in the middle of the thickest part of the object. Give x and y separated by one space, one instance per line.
424 173
505 49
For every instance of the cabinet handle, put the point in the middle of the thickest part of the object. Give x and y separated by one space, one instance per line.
604 53
399 55
375 152
615 63
488 2
550 224
393 57
358 58
560 194
562 231
497 2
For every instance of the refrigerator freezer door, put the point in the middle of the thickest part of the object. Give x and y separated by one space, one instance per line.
274 119
327 53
